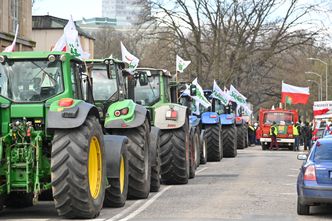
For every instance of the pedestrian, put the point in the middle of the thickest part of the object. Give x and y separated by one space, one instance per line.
273 134
297 134
307 136
251 134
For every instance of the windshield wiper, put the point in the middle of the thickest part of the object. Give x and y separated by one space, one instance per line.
45 72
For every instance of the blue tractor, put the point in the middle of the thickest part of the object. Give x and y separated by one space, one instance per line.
234 131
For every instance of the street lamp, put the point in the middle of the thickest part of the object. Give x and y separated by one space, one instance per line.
326 67
313 81
320 85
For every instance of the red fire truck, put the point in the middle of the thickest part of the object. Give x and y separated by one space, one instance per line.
284 120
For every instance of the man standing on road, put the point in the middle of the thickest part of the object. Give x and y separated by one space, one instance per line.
296 134
273 134
251 134
307 136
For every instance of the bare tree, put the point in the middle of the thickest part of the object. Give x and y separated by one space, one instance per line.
236 42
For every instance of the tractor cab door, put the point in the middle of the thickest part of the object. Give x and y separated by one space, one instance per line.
81 86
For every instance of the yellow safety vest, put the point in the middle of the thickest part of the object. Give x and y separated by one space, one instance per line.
295 131
275 130
252 128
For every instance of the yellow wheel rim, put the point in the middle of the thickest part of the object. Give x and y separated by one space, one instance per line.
122 174
95 167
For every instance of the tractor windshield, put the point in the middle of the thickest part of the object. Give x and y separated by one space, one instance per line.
149 94
30 81
281 118
103 87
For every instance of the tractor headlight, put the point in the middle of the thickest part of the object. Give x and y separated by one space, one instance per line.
62 58
51 58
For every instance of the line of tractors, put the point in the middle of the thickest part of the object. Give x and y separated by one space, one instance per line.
90 134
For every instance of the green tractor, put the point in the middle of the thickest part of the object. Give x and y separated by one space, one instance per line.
52 145
151 89
122 116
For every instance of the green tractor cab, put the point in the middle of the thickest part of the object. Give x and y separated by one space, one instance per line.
122 116
52 144
152 89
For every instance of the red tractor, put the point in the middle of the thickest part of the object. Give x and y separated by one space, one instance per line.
284 120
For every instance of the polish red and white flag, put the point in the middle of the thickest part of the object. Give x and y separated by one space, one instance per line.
11 48
291 94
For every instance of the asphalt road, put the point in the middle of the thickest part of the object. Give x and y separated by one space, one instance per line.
256 185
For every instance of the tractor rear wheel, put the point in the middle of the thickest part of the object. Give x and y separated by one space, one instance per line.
214 146
229 136
18 200
155 169
78 170
192 153
203 157
240 137
197 147
174 155
139 160
116 194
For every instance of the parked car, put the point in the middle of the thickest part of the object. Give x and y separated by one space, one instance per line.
314 182
318 133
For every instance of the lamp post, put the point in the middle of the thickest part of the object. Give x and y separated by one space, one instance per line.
315 82
326 67
320 85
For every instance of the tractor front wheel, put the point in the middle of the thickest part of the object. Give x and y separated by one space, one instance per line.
139 160
229 136
78 170
174 155
116 193
214 148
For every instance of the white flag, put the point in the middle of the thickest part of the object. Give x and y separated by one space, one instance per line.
181 64
219 94
236 96
11 47
129 58
200 98
70 41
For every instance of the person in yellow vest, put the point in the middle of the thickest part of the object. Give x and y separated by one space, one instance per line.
273 134
296 134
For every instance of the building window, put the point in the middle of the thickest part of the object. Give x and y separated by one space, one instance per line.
14 9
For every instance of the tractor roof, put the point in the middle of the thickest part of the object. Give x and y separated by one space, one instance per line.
35 54
164 72
102 60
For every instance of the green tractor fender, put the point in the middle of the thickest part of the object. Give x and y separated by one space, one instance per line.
69 113
125 114
170 116
115 148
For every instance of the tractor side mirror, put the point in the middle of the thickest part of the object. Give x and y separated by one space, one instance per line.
143 79
193 90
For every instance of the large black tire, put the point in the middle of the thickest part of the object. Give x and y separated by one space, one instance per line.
302 209
246 138
197 147
229 135
139 160
240 137
264 146
214 145
73 150
19 200
203 139
174 155
193 145
155 169
116 193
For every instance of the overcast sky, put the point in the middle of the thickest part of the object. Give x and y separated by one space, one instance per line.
65 8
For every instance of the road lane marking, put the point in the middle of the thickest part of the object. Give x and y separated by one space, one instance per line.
289 184
288 193
201 170
145 205
295 169
119 215
291 175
